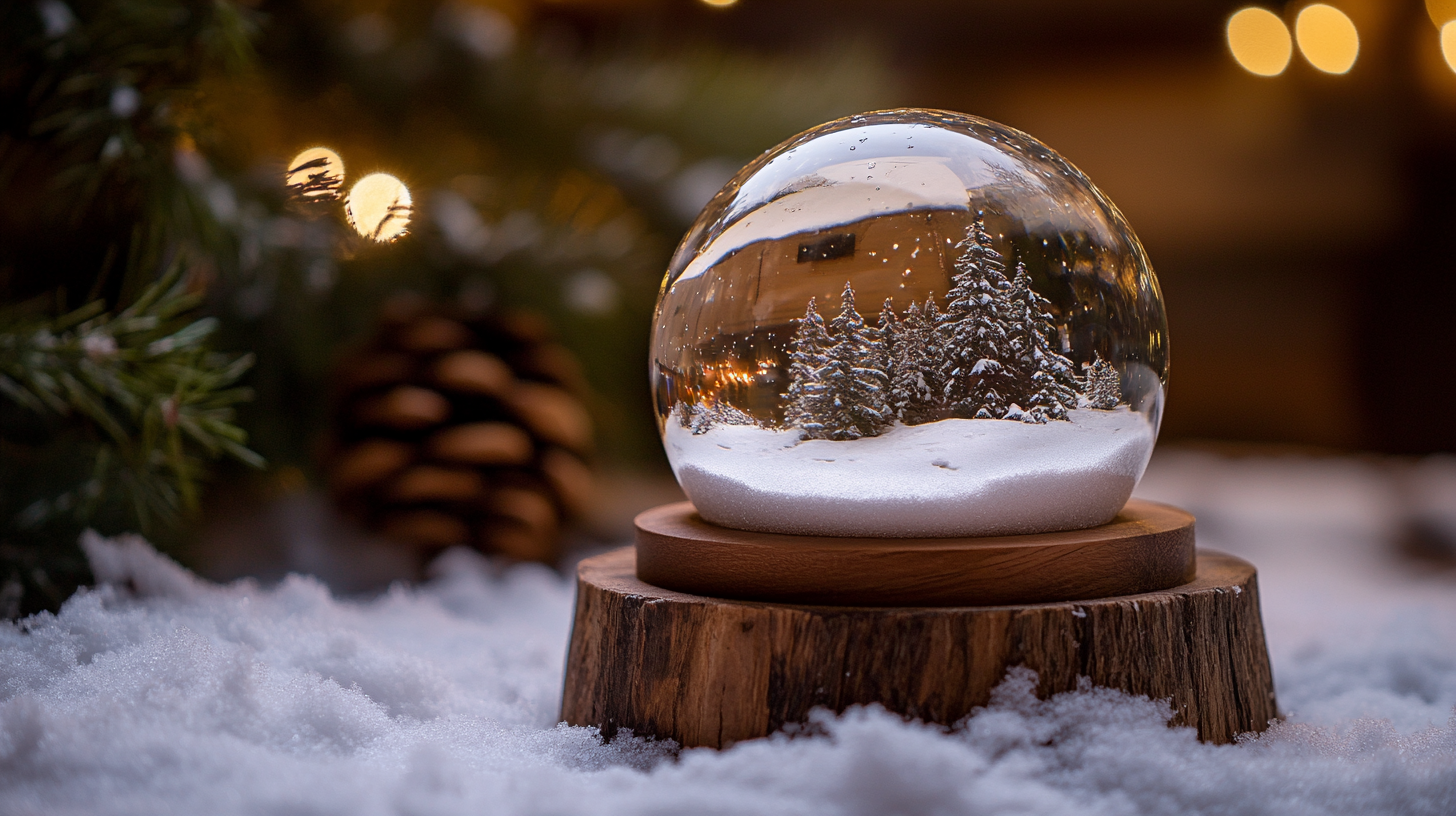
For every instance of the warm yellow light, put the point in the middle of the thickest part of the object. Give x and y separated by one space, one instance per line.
379 207
315 174
720 3
1259 41
1441 11
1448 43
1327 38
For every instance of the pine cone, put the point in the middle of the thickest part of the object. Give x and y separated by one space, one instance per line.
454 429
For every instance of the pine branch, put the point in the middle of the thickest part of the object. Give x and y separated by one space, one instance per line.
144 379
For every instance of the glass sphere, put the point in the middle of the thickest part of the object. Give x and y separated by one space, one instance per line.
909 323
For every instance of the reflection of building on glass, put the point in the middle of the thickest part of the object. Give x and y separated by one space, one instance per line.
752 298
988 355
839 245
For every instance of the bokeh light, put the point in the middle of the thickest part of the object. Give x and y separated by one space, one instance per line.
379 207
1448 43
316 174
1441 11
720 3
1327 38
1259 41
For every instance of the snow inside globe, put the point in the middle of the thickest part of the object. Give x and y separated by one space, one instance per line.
910 323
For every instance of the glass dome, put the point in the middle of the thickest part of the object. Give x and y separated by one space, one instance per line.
909 323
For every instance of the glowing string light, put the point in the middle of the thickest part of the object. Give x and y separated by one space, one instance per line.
379 207
1441 11
1259 41
316 174
1448 43
1327 38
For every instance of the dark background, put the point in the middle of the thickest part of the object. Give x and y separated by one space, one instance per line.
1300 225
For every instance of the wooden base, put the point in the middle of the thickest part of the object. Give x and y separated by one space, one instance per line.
708 671
1147 547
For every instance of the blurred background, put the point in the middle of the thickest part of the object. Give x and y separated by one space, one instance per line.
1289 170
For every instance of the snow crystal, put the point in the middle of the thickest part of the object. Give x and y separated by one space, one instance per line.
158 692
955 477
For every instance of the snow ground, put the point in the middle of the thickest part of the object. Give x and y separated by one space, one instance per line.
160 693
956 477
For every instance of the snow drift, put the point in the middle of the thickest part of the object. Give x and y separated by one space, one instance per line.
160 693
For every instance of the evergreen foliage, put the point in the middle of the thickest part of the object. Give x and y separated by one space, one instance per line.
160 401
112 401
989 355
109 420
932 358
1045 375
883 335
888 329
808 400
1104 384
101 113
854 376
974 327
704 416
914 368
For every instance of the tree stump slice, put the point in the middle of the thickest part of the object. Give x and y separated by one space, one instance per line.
1147 547
711 672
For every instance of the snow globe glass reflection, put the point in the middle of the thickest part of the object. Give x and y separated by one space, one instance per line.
909 323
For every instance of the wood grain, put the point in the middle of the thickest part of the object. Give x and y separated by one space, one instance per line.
711 672
1147 547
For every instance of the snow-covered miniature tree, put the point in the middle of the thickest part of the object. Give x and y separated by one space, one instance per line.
704 416
974 329
933 356
725 414
856 387
808 355
1104 384
691 416
914 370
1046 380
1019 366
891 331
887 333
700 418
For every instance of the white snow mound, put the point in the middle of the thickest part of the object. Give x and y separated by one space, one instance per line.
956 477
161 693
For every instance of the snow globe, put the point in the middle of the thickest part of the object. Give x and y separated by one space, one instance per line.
909 323
908 366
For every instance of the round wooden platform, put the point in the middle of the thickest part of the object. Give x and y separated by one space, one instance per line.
707 671
1147 547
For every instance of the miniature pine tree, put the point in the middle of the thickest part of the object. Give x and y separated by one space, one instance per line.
1104 384
974 329
704 416
1048 377
914 369
854 377
700 418
725 414
888 332
808 355
931 357
891 333
1020 368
